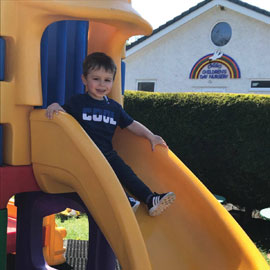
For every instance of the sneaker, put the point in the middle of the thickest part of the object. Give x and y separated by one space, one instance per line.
134 204
159 202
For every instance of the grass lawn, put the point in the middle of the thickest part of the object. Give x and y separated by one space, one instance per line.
257 229
77 227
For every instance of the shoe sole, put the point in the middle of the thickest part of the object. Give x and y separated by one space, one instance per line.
136 206
164 203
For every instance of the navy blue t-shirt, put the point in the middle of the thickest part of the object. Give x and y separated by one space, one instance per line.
99 118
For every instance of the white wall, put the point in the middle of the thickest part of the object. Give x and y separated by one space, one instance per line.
169 60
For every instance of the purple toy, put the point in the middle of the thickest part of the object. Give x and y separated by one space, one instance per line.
32 207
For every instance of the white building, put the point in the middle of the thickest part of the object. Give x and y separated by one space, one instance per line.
216 46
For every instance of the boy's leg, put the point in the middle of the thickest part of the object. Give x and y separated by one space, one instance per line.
129 179
156 203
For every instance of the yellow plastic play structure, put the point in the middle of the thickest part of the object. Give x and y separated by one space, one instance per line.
196 233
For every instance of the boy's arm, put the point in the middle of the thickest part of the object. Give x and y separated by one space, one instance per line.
140 130
53 108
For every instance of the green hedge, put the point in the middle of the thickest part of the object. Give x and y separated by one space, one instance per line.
223 138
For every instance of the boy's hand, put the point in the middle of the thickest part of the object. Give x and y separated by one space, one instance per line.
155 140
140 130
53 108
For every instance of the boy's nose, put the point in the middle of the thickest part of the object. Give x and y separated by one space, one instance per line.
102 83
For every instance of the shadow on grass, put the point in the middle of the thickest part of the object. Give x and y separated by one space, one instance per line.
256 228
259 232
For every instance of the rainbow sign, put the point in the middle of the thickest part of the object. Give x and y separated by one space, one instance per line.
223 67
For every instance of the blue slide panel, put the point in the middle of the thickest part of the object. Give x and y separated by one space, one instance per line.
2 58
123 76
63 49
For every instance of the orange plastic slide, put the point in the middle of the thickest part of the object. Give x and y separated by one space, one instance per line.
195 233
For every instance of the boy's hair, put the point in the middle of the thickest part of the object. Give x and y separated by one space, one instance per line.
98 60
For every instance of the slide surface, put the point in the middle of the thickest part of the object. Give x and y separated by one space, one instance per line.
195 233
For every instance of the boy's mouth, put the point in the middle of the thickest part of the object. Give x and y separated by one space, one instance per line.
101 90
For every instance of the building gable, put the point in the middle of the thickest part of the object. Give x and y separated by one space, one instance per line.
202 7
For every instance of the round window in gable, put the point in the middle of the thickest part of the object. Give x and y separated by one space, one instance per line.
221 34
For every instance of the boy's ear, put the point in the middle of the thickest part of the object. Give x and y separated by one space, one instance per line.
83 79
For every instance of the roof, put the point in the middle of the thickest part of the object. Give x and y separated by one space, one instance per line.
185 14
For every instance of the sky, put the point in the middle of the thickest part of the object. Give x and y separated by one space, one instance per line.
158 12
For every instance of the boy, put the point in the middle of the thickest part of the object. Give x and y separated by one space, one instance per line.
99 116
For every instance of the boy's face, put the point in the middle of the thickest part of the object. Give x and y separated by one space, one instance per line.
98 83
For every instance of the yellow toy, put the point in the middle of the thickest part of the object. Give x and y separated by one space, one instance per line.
68 212
53 249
